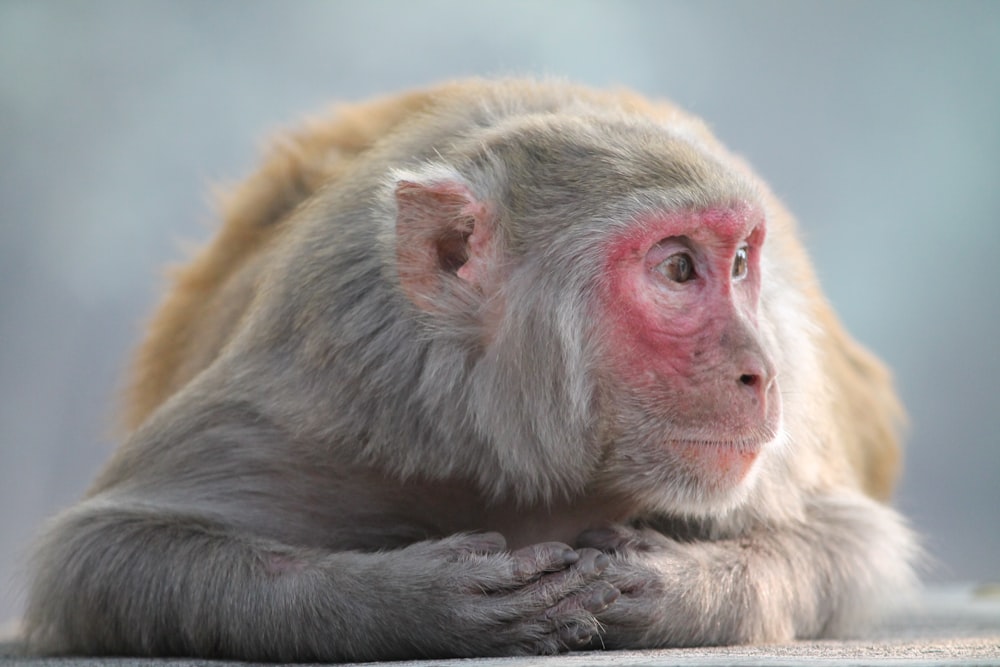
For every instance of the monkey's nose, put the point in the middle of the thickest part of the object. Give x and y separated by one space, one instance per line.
756 373
755 380
757 376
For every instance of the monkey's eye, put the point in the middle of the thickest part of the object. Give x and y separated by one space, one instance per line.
740 264
679 267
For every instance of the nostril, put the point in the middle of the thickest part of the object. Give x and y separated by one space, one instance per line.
750 380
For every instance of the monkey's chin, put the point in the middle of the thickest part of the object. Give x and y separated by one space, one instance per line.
720 475
721 465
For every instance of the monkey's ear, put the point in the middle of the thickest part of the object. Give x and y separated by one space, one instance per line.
443 233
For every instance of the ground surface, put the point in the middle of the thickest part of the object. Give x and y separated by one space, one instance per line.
954 626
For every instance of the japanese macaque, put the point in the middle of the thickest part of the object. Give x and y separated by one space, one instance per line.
496 368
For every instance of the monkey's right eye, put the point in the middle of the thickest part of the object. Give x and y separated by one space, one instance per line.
678 268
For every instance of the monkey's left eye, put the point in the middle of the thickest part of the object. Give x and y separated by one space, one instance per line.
678 267
740 264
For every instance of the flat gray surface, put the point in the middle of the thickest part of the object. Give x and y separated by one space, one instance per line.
948 626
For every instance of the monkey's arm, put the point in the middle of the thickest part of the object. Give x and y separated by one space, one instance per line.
128 578
820 576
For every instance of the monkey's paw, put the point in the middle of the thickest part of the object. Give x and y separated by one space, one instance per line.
541 599
637 618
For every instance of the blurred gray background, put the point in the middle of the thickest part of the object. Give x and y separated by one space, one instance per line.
878 123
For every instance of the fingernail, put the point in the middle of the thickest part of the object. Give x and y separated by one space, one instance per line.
601 561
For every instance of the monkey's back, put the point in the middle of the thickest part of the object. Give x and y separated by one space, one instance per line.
209 294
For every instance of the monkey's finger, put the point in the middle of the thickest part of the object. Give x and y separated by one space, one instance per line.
550 588
554 586
626 621
581 630
530 563
571 623
592 562
594 599
577 635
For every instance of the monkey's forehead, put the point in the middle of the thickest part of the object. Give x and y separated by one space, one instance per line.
608 162
599 145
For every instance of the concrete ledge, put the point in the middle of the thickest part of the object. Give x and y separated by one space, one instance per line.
949 626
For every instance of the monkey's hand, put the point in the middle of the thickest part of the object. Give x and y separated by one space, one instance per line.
822 576
537 600
630 622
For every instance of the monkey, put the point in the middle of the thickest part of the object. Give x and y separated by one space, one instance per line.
496 367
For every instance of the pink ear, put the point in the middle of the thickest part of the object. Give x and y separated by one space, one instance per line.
443 233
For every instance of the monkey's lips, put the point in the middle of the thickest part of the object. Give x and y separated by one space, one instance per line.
718 463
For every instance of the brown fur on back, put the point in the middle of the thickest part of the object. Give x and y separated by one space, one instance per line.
209 294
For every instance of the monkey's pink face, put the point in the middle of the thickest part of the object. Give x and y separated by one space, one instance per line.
685 351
